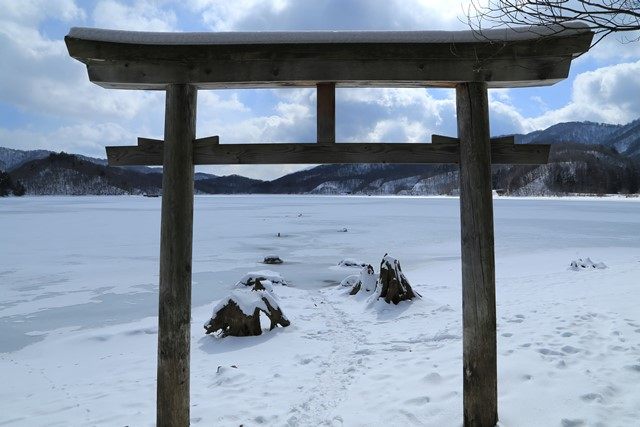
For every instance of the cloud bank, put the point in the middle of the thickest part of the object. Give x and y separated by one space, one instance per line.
47 101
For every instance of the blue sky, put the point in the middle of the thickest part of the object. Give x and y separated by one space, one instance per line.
46 100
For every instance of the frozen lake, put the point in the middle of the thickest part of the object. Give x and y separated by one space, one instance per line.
76 271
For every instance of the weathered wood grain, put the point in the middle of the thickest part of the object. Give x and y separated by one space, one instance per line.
288 153
208 140
533 62
441 139
480 396
497 72
326 113
174 314
150 143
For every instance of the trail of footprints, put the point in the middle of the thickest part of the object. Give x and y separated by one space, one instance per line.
575 339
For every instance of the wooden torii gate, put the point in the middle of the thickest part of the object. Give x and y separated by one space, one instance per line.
182 63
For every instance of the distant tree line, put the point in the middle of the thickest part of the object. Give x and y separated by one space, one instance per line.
9 187
575 168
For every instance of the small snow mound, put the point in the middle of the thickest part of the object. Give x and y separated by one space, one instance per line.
272 259
586 264
351 262
266 277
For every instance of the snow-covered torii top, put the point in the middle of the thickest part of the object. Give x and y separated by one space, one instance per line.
514 57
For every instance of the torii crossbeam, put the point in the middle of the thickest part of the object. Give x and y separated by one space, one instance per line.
182 63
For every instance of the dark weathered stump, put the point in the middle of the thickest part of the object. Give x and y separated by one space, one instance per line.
255 283
394 286
239 314
272 259
231 320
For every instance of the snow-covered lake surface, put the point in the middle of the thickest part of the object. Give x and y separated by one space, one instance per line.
78 300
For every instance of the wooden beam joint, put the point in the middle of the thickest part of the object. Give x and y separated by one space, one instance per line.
326 113
208 151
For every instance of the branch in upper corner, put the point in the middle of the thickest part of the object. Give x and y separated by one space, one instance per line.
602 17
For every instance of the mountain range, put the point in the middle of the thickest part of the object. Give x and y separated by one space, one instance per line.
586 158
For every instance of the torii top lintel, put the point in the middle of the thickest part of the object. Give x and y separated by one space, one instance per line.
530 56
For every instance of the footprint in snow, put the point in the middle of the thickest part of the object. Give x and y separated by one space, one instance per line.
549 352
572 423
433 378
418 401
592 397
570 349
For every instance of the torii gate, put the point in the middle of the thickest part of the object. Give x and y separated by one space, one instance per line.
182 63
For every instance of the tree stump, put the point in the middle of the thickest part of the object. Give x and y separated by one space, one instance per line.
352 262
272 259
266 277
239 314
392 283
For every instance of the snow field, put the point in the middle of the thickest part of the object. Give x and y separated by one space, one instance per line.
568 341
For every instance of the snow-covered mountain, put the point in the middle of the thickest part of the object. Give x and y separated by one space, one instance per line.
578 132
68 174
585 158
624 139
11 158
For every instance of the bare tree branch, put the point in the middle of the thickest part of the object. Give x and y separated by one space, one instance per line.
604 17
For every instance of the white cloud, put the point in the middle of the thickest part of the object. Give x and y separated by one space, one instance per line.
140 15
398 129
19 22
617 48
87 139
34 11
44 83
211 100
607 94
223 15
396 115
57 85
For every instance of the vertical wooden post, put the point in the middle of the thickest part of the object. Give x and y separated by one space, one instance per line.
326 112
478 266
174 315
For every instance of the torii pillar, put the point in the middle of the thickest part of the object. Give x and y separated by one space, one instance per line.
479 350
176 237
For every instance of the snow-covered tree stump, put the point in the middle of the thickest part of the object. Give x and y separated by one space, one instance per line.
351 262
266 277
239 314
366 281
392 283
272 259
